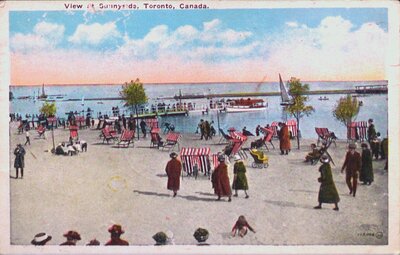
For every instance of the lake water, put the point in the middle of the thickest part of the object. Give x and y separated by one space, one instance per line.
374 106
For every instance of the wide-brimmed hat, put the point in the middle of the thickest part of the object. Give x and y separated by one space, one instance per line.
41 239
221 158
117 229
324 159
73 235
237 158
352 146
173 155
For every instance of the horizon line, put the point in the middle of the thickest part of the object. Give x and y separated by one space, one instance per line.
177 83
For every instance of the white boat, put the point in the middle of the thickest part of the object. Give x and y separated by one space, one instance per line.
245 105
286 100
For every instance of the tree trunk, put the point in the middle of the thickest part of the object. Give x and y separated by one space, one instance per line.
298 132
137 122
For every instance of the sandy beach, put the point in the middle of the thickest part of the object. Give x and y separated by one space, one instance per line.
106 185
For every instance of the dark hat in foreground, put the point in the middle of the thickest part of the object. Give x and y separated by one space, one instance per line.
324 159
173 155
41 239
221 158
72 235
117 229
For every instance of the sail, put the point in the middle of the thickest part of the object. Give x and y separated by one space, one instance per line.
284 94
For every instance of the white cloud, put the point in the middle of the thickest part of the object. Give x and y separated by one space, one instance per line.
211 24
94 34
292 24
45 36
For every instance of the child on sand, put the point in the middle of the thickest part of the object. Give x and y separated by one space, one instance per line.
241 227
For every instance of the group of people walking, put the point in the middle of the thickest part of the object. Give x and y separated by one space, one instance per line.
219 178
207 130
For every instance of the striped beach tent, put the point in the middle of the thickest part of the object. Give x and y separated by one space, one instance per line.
199 156
274 127
357 131
292 125
362 130
52 121
352 133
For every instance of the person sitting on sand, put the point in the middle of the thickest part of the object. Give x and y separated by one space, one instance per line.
72 238
116 232
241 227
313 155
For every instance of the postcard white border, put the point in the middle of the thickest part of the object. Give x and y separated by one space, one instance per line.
393 73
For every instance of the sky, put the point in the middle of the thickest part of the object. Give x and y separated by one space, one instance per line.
173 46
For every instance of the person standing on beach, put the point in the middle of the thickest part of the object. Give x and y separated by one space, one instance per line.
173 170
143 127
28 140
327 191
284 138
239 178
366 173
116 232
19 162
352 164
207 130
220 180
123 121
371 132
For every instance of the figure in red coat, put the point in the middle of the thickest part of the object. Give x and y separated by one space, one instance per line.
116 232
173 170
284 138
352 163
220 180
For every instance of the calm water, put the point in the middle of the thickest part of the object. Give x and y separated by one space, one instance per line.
374 106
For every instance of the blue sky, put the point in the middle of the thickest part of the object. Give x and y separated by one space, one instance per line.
205 37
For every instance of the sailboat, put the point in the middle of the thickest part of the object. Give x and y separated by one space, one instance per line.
83 101
43 96
285 98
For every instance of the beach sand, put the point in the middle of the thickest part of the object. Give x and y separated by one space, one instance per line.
107 185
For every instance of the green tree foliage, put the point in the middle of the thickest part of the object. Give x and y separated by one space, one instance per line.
346 110
134 95
299 108
48 109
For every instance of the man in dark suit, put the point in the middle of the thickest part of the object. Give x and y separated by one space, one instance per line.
352 164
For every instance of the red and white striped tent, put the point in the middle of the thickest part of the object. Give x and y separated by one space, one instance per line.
52 121
199 156
357 131
292 126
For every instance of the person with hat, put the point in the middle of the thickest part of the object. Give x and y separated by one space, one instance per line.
19 162
239 177
371 132
173 170
93 242
327 191
41 239
72 238
284 138
220 179
116 232
352 164
366 173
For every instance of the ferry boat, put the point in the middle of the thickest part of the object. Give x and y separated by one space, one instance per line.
245 105
323 98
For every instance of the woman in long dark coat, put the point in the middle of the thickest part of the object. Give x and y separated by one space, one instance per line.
239 179
366 173
220 180
173 170
327 191
19 162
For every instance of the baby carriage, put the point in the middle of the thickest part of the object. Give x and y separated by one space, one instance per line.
260 160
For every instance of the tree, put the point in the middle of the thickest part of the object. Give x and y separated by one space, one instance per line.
298 109
48 109
346 110
134 95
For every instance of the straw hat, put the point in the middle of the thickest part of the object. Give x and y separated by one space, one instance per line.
41 239
72 235
237 157
324 159
117 229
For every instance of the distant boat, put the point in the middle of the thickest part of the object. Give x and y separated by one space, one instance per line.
43 96
323 98
100 102
245 105
285 98
83 101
